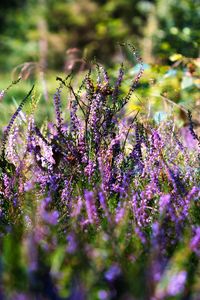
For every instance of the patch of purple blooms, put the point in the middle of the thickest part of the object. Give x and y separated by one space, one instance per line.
100 193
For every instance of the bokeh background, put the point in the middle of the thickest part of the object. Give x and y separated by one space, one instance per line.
30 29
40 39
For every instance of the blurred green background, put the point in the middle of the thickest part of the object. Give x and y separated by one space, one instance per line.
40 39
30 29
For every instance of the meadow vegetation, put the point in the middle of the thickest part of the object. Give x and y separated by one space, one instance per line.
101 201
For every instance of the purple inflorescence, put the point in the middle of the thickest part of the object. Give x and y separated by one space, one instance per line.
176 283
112 273
195 241
57 104
164 202
90 206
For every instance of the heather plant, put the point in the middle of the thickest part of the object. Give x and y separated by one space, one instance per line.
102 205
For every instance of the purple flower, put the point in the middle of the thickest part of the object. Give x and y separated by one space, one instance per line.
120 212
140 210
7 186
21 297
163 203
175 178
155 229
77 206
157 141
140 234
89 169
113 272
66 192
176 284
103 295
57 104
28 185
104 205
50 217
90 206
13 140
188 139
72 244
195 241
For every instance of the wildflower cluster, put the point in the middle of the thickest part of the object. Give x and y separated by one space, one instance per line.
99 206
